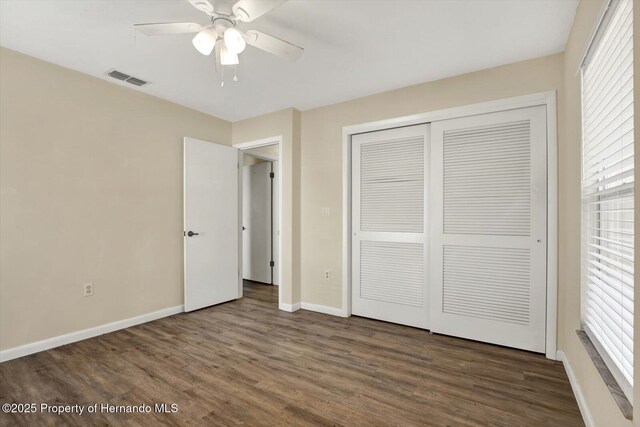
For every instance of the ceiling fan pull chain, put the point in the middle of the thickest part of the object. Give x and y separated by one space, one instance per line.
222 79
235 73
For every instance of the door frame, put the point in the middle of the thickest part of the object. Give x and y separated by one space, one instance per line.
246 146
547 99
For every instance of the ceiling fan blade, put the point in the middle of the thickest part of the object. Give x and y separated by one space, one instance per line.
165 28
248 10
273 45
202 5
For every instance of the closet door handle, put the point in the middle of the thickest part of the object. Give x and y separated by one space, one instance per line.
191 234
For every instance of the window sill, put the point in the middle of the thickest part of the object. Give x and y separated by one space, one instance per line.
609 380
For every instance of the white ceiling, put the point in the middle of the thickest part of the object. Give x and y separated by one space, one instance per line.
353 48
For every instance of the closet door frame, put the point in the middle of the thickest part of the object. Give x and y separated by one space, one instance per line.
547 99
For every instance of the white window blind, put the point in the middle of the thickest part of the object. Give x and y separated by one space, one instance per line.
607 191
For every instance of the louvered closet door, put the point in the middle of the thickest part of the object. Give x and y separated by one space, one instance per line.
389 225
489 227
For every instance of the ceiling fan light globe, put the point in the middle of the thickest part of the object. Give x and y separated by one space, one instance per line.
234 41
227 57
205 41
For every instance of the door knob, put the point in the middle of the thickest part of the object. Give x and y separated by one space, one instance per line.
191 234
244 228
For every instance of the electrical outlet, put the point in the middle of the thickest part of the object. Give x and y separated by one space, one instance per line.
327 275
325 211
87 289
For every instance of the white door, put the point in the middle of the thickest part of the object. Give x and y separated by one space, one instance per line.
489 227
256 213
390 255
211 239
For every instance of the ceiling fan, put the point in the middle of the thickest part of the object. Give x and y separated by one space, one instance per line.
221 34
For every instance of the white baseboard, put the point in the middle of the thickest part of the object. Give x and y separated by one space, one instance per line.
289 307
577 392
35 347
322 309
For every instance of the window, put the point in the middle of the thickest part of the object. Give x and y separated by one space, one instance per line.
607 192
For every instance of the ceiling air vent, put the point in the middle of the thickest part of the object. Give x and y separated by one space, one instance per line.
135 81
127 78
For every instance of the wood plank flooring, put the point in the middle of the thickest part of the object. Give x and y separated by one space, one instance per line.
247 363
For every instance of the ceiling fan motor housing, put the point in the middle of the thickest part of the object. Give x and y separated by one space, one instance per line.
221 24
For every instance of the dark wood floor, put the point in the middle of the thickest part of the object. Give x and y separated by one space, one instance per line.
247 363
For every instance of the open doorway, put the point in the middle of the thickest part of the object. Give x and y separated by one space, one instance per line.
260 242
213 220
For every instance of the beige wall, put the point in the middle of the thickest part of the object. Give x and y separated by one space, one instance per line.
249 160
285 123
604 410
322 153
271 150
90 191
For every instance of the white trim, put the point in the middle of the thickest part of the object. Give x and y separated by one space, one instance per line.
346 222
71 337
543 98
246 146
240 223
552 227
258 143
333 311
184 219
524 101
577 391
289 307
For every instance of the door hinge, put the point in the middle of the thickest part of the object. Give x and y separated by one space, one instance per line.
272 175
272 264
